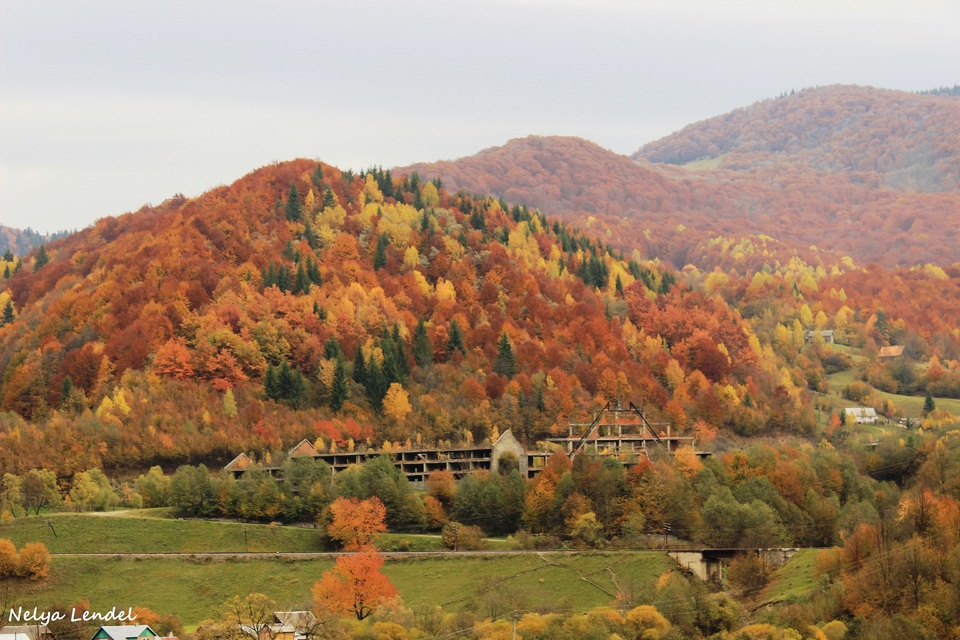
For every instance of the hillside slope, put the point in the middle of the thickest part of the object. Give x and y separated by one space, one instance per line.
367 309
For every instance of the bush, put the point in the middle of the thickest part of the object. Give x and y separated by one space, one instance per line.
749 573
856 391
461 537
536 542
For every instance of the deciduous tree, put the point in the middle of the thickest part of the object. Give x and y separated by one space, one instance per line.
354 523
354 586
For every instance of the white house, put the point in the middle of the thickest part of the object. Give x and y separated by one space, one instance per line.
861 415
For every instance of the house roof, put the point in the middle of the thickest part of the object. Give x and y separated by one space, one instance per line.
861 412
293 621
239 463
125 632
891 351
303 448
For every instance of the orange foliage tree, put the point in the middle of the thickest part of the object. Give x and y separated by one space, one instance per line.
353 523
355 586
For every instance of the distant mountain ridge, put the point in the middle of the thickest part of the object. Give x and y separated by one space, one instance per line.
895 139
874 175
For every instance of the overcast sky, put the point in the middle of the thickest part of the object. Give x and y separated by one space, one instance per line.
106 105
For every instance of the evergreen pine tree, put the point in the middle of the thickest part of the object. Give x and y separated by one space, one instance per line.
375 383
8 256
298 390
42 258
302 282
505 364
6 271
286 384
928 404
319 311
8 315
422 349
269 277
359 367
284 282
380 256
329 198
455 339
313 271
331 349
619 286
317 178
270 386
338 390
294 204
310 235
66 390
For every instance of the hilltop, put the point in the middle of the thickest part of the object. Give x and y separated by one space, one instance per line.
306 302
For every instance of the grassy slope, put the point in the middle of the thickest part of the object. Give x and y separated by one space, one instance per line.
124 532
795 579
911 406
194 588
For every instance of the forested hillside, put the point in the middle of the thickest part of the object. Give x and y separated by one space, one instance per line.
305 302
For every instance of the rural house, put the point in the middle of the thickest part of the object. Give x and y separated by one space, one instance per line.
861 415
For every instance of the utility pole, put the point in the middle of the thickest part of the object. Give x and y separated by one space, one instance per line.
666 532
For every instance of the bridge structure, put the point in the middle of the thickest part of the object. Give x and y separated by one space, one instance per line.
708 563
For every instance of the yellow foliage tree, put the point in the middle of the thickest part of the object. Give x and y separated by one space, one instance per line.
446 293
396 404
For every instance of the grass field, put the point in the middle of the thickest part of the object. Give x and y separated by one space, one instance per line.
795 579
150 531
127 532
911 406
193 588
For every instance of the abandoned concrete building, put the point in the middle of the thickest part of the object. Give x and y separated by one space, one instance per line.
616 431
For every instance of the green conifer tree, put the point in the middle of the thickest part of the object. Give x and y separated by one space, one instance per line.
505 364
270 383
455 339
375 383
338 390
422 348
331 349
42 258
329 198
359 367
313 271
380 255
8 315
301 283
294 204
928 404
